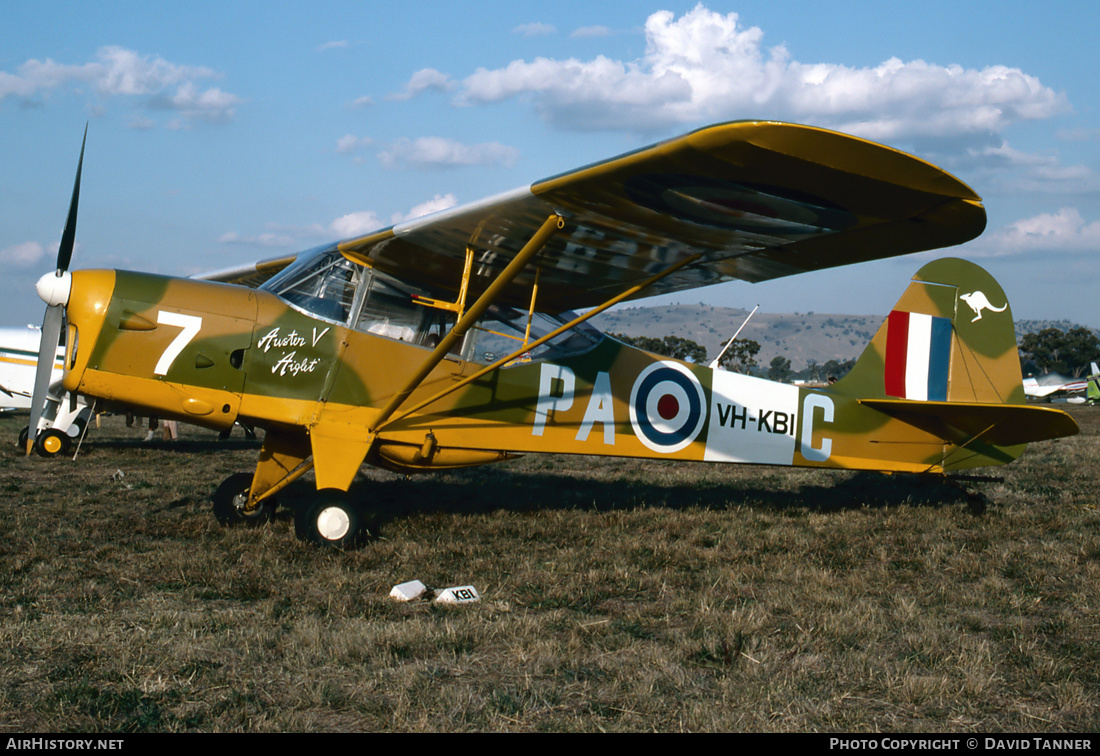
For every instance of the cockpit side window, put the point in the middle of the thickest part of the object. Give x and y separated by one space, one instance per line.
389 309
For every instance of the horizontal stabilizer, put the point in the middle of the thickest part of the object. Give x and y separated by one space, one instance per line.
960 422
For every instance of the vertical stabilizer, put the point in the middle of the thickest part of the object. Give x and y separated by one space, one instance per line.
949 338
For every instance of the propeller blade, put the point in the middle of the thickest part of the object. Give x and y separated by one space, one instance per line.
68 236
47 353
55 290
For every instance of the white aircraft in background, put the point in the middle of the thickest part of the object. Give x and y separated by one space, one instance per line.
64 419
1053 385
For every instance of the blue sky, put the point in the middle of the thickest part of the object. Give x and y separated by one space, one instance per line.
226 132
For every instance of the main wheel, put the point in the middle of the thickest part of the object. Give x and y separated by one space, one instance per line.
232 496
23 438
52 443
333 519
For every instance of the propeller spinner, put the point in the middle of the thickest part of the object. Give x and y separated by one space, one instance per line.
54 290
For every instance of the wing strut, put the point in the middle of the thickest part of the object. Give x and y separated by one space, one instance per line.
472 315
540 341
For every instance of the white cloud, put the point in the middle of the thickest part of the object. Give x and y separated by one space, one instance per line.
1063 231
1005 168
362 102
293 237
350 143
355 224
23 255
536 29
125 72
705 66
211 105
422 81
118 72
335 44
434 205
440 152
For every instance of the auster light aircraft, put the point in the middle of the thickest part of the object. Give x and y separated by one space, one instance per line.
387 349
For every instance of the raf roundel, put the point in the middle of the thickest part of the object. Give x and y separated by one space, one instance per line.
667 407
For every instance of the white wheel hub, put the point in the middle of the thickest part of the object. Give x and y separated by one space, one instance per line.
333 523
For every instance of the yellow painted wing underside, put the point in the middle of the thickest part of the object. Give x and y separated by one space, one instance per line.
758 200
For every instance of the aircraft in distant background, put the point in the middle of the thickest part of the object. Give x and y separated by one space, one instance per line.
18 356
64 417
451 340
1051 385
1092 392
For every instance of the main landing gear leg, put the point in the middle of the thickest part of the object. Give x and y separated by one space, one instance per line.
332 518
231 503
248 498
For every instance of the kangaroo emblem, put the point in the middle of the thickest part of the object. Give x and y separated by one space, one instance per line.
978 302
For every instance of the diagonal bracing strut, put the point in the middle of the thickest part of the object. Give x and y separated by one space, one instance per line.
472 315
539 342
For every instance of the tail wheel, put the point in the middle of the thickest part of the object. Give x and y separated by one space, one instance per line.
51 443
333 519
231 498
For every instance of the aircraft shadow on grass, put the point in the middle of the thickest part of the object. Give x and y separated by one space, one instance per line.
483 492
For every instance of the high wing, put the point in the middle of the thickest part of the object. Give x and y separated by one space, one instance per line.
756 199
251 274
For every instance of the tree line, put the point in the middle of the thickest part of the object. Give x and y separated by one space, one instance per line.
1052 350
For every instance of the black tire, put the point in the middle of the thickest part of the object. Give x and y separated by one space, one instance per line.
333 519
231 497
23 435
52 443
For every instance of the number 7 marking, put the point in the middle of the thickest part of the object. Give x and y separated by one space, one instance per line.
190 325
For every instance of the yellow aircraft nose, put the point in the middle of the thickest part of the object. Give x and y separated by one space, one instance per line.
87 295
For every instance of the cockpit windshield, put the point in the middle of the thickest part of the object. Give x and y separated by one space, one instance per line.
325 284
322 282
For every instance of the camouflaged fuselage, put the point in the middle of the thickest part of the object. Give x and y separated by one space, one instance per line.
213 354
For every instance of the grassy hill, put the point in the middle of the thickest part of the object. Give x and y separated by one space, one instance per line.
801 337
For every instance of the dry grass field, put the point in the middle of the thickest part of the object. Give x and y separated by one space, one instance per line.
616 596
